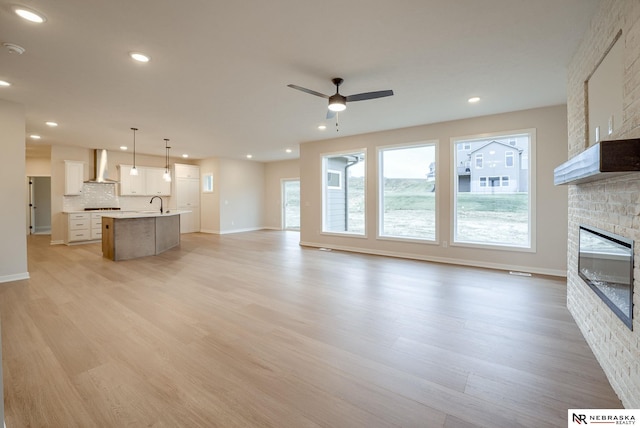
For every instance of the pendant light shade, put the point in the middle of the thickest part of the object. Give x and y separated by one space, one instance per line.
167 175
134 170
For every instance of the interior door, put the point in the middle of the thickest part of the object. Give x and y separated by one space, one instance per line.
39 205
291 204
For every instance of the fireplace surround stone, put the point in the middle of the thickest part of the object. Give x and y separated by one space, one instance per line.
611 204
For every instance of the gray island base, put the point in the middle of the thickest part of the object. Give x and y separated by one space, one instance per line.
128 236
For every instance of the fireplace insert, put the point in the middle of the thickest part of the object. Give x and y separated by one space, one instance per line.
605 263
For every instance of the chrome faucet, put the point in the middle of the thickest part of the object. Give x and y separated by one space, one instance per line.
151 201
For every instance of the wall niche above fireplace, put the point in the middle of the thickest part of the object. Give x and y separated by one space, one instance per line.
605 263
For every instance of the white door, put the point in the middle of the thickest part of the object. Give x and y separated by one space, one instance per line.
291 204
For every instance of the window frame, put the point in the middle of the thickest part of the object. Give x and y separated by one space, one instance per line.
530 168
380 197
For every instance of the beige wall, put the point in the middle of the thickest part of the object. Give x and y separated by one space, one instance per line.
275 172
610 204
551 205
38 167
13 245
210 202
241 185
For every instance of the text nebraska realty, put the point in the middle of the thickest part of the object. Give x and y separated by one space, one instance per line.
605 419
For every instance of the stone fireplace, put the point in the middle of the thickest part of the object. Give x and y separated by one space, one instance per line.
609 204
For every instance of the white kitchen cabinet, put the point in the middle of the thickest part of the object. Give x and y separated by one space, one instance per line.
78 227
132 185
186 171
187 196
73 177
148 182
96 226
155 183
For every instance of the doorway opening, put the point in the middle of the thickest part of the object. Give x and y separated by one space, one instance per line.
291 204
39 208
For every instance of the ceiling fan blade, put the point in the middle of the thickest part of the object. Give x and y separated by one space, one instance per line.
308 91
369 95
331 114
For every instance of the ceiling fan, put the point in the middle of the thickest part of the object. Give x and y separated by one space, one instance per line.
338 102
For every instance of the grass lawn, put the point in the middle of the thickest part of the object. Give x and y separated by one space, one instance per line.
410 211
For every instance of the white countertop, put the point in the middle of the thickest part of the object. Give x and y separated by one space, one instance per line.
141 214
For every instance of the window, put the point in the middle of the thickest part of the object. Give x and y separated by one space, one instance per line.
408 192
334 179
495 209
508 159
344 193
207 183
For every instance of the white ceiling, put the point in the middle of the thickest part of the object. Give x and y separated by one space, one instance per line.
216 84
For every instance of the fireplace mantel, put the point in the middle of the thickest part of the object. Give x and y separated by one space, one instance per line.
602 160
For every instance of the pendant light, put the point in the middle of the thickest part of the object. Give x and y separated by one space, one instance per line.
134 170
167 175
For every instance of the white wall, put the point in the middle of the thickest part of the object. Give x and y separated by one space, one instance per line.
13 245
551 204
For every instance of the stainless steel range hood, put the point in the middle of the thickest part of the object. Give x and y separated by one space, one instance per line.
101 168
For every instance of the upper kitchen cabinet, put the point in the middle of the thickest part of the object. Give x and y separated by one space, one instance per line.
132 185
155 182
148 182
73 177
187 171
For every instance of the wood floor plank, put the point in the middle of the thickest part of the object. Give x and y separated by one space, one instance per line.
252 330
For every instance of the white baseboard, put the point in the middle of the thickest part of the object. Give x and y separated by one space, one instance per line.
211 231
249 229
461 262
14 277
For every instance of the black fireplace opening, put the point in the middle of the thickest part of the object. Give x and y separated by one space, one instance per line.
605 263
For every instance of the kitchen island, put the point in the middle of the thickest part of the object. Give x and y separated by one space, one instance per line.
128 235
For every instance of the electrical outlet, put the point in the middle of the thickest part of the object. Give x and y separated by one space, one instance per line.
445 244
610 124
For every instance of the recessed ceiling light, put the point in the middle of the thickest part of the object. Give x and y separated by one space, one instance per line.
123 147
249 156
4 83
322 127
140 57
184 155
29 14
35 137
288 150
474 99
51 124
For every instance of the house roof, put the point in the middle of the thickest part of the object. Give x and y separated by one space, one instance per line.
216 82
490 143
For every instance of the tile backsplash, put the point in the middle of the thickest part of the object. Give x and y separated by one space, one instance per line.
105 195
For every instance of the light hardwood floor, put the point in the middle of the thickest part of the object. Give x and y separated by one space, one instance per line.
252 330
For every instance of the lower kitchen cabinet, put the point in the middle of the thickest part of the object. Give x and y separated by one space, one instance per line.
83 227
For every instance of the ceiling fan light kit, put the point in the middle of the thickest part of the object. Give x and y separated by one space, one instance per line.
337 103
